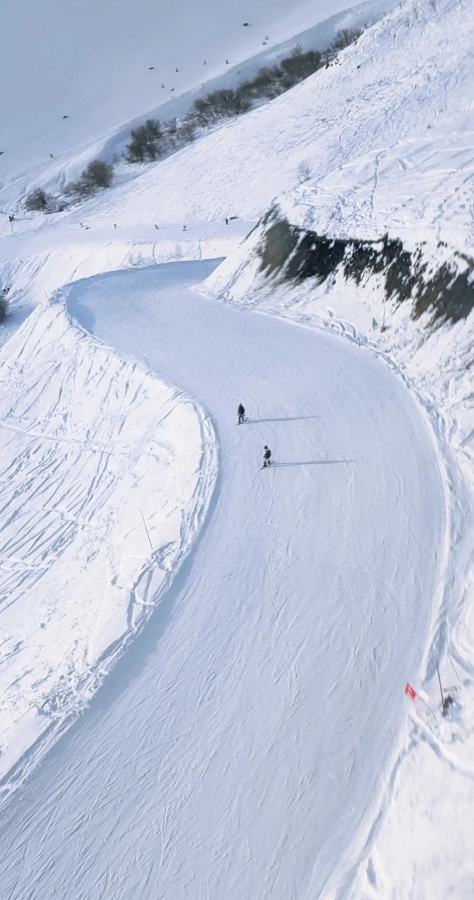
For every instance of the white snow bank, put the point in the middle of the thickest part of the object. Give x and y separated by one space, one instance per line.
92 447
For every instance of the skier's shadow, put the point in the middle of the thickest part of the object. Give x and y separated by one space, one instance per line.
312 462
283 419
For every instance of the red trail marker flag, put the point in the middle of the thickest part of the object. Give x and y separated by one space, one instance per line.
409 691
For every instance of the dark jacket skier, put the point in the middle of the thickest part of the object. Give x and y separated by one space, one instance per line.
267 456
241 413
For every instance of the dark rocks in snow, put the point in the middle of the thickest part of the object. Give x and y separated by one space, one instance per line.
446 291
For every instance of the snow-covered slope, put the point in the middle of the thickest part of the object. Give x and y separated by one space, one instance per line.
243 752
92 62
85 436
79 72
382 246
393 105
378 143
36 258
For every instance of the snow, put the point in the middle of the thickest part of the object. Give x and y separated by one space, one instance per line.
420 843
402 132
254 712
85 435
253 739
92 62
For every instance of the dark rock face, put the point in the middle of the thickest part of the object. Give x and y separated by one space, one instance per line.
288 252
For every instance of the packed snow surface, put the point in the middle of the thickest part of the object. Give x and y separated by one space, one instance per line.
238 751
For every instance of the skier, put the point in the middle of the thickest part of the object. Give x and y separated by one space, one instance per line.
241 413
267 456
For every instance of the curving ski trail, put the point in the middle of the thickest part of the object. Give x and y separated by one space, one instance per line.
238 749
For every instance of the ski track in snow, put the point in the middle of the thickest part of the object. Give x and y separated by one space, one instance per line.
220 755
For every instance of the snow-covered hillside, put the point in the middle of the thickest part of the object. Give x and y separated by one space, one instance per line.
88 70
274 754
380 248
393 108
251 726
101 65
85 436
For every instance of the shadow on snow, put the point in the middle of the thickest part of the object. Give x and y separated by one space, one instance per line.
310 462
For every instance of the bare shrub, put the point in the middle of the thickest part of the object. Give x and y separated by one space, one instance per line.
145 142
98 174
38 201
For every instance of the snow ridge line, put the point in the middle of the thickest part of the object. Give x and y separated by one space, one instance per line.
154 577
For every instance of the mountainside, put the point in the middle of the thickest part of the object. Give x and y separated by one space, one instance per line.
380 248
102 64
280 756
407 113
